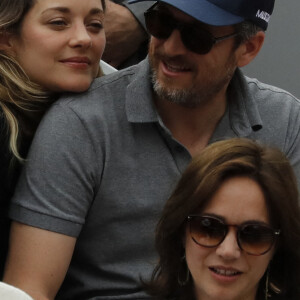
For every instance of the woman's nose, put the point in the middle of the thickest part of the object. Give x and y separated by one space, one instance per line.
229 248
80 37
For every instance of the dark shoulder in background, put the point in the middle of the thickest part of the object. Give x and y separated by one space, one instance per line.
9 173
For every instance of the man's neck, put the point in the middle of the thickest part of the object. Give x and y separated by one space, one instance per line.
192 126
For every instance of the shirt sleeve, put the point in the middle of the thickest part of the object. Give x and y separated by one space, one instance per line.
59 179
292 140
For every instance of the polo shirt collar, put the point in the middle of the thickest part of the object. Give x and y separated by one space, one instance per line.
243 112
242 109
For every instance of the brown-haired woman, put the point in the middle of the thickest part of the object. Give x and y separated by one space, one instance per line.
46 48
231 229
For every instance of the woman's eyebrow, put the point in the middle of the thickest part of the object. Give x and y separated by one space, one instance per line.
57 8
96 11
66 10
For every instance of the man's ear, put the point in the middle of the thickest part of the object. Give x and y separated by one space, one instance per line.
248 50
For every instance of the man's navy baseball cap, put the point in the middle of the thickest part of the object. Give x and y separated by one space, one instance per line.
225 12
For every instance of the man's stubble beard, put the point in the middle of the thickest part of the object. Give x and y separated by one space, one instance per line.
198 93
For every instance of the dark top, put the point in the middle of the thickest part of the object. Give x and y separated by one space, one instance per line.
5 190
10 169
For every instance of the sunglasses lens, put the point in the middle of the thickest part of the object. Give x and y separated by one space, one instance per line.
197 40
207 231
256 239
159 24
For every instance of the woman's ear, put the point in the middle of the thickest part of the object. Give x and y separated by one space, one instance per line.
6 42
248 50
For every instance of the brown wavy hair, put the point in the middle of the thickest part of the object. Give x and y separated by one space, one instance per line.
206 172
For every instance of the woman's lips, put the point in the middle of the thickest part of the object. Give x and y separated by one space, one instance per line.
225 274
77 62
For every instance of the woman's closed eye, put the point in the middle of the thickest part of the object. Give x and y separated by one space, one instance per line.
58 23
95 26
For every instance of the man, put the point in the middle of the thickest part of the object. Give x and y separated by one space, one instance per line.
104 162
125 29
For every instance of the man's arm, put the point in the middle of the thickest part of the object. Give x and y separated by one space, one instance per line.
125 30
52 197
38 260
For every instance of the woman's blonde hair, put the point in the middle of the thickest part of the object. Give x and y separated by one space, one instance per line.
19 97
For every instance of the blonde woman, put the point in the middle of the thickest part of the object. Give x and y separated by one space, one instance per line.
46 48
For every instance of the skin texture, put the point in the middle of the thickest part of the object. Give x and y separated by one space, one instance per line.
61 43
26 266
229 202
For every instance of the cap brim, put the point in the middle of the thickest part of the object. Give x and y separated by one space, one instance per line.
203 11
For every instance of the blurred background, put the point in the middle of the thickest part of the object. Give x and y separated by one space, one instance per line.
278 62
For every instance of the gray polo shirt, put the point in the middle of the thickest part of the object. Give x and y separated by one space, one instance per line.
102 165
